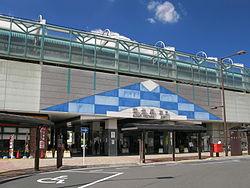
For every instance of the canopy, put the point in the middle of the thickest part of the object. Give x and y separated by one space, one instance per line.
24 120
240 128
164 125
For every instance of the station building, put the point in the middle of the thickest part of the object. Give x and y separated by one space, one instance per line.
82 79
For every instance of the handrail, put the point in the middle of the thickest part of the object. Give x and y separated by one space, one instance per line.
131 49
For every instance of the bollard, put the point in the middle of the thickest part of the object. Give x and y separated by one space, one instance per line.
211 150
18 156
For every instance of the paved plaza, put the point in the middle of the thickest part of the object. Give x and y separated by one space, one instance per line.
20 164
223 173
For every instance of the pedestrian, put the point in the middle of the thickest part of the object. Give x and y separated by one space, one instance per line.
96 146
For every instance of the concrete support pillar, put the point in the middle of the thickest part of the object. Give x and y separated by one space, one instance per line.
111 137
217 133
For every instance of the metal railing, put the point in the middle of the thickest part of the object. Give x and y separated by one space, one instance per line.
30 40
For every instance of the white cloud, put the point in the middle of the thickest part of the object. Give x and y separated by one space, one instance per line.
111 34
152 5
151 20
163 12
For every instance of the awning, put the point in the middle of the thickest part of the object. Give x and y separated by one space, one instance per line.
24 120
240 129
164 125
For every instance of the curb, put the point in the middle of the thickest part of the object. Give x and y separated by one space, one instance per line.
63 168
16 178
119 165
222 158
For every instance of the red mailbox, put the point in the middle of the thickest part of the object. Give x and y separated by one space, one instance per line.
217 148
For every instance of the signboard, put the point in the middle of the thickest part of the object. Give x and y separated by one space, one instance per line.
11 147
43 137
112 134
42 145
147 113
84 129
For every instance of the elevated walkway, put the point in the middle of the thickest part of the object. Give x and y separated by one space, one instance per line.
50 44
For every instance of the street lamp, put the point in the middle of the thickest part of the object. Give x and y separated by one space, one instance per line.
241 52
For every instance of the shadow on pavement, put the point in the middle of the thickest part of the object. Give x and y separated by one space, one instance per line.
154 160
131 179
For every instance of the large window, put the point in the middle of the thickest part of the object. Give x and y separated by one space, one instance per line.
21 135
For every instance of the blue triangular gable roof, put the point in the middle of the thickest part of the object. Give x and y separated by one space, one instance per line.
135 95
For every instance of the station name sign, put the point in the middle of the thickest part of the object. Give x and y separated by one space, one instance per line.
146 112
150 113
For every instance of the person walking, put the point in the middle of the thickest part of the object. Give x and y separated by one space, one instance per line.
96 147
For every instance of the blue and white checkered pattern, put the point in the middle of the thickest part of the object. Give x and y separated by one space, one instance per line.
135 95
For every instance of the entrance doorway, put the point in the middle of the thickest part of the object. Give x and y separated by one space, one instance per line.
94 139
128 143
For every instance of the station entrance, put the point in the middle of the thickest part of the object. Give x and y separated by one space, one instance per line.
105 138
73 138
159 142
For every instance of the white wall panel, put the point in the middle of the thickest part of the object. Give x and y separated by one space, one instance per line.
2 83
237 106
20 86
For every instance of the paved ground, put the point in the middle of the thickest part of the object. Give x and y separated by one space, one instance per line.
20 164
226 173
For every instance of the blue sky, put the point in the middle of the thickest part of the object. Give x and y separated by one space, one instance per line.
218 27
